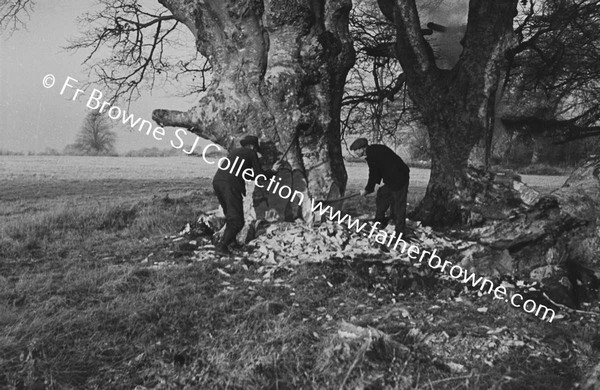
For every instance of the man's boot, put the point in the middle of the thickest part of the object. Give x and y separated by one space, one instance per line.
223 246
383 222
223 250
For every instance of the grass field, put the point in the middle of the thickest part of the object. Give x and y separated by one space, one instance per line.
35 184
80 308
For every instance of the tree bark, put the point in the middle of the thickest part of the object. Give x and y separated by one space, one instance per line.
456 105
553 239
279 68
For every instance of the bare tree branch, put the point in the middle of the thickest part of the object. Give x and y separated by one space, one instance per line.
146 49
557 65
387 92
370 104
384 49
12 13
415 51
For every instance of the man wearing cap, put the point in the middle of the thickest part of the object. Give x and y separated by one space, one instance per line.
230 189
387 165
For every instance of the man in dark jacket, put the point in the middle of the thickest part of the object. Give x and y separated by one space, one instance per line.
230 189
385 165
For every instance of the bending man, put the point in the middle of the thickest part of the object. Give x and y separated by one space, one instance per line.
231 188
387 165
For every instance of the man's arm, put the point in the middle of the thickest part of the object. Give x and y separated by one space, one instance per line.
257 168
374 176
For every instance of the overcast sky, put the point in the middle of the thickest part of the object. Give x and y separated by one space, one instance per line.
33 118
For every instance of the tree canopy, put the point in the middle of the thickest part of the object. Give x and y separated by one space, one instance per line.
553 77
278 69
96 136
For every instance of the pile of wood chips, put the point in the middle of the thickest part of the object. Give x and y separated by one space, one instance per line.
284 245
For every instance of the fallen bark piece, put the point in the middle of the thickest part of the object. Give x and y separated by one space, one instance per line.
555 241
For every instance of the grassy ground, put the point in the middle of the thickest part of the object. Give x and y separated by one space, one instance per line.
81 306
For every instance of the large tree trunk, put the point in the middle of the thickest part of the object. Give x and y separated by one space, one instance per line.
449 155
279 69
456 105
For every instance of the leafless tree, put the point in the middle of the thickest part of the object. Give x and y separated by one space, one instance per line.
12 13
556 68
375 99
96 136
278 70
130 48
456 104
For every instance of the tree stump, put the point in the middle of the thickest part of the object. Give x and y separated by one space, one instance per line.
554 239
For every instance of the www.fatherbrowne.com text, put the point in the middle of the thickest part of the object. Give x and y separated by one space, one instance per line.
435 262
95 102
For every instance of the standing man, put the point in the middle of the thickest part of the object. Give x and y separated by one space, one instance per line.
230 189
387 165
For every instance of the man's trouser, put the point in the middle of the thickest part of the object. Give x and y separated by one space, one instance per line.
230 198
396 200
